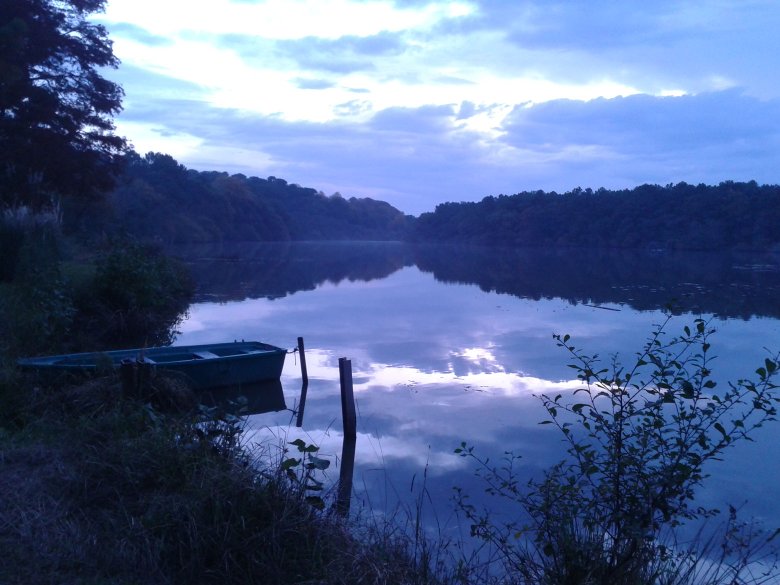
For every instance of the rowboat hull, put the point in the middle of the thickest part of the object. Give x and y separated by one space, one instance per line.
202 366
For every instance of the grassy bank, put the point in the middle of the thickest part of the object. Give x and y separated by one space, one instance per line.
99 488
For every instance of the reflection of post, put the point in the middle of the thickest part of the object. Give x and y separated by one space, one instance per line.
304 383
348 417
345 476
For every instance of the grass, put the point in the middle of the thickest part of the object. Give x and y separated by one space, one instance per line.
98 488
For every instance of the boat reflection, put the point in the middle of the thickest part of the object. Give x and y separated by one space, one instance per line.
252 399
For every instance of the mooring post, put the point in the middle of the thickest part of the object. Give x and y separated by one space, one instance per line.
304 384
349 419
348 416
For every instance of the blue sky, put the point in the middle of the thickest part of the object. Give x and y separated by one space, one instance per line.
417 103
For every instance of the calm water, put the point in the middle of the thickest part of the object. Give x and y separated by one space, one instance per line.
454 344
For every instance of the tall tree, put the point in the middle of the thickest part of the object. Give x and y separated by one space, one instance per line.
56 109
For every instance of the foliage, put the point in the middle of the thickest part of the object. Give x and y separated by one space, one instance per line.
638 439
302 472
136 298
40 308
158 199
681 216
54 100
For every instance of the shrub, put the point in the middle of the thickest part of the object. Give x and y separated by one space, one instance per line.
638 440
39 309
137 297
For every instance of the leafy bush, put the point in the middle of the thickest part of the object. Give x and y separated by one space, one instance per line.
137 297
638 440
39 308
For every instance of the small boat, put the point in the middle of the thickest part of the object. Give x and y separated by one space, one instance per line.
212 365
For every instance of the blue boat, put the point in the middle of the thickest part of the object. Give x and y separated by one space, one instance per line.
206 366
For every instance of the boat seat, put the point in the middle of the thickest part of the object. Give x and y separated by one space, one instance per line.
205 355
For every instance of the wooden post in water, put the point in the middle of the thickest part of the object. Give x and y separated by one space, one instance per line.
349 420
304 384
348 416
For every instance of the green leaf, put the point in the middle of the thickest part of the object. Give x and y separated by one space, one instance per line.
687 389
303 447
290 463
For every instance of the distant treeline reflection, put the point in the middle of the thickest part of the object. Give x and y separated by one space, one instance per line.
727 284
232 271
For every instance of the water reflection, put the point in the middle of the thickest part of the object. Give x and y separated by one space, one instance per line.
230 271
725 284
255 398
453 355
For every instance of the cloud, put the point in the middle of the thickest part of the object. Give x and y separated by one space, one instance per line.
424 120
144 85
417 157
623 142
422 102
138 34
307 83
346 54
663 45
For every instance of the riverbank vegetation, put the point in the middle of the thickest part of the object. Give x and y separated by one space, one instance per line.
96 487
59 297
640 437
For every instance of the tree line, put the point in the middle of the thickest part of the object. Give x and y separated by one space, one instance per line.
158 199
730 215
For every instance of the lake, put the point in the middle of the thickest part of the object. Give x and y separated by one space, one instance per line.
452 344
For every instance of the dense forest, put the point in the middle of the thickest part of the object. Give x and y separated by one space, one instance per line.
682 216
156 198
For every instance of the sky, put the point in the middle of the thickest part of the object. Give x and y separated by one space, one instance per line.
417 103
